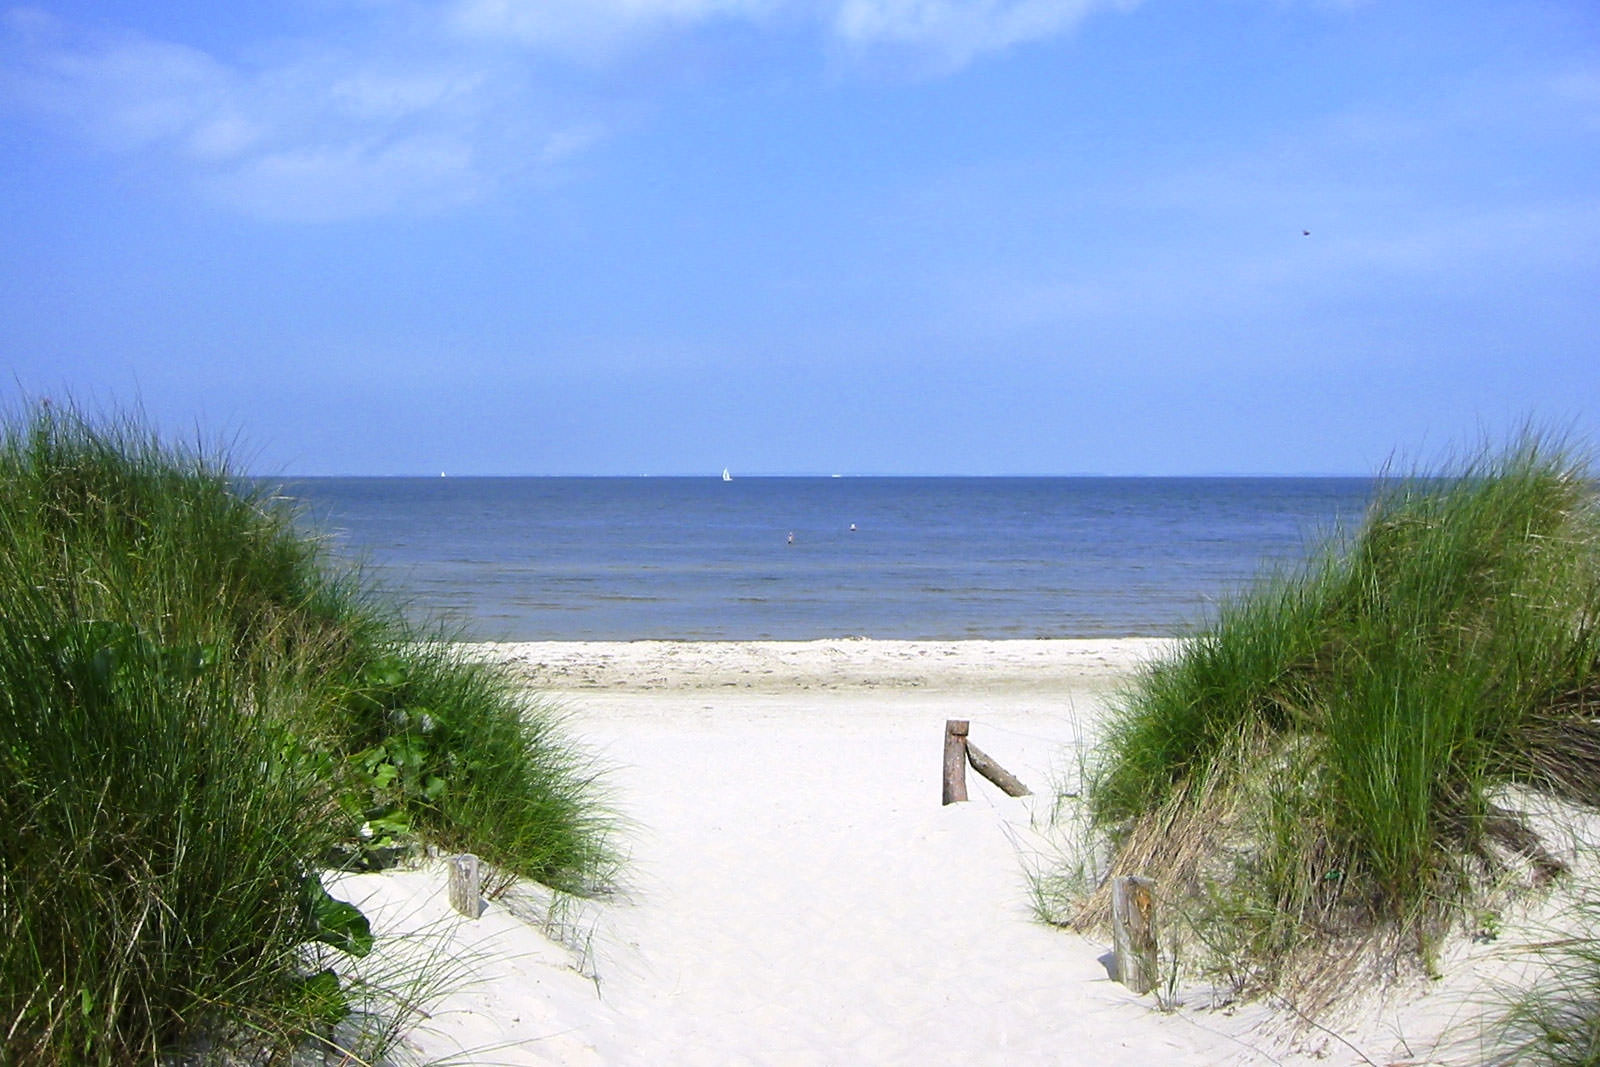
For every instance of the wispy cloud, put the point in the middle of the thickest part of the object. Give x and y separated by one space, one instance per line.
311 133
955 32
428 105
950 33
123 92
589 29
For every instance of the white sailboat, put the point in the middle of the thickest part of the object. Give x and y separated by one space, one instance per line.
726 476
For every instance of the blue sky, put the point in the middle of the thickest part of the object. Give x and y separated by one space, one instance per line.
806 236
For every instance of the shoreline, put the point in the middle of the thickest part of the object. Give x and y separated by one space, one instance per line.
1035 665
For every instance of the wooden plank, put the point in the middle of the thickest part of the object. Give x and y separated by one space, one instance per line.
1133 931
997 774
464 888
955 760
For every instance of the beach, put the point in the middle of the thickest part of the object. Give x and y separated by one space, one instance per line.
795 893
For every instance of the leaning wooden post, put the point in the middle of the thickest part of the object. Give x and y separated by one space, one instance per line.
464 885
955 760
1133 931
996 773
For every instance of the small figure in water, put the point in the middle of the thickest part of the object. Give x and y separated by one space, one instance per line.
791 538
852 527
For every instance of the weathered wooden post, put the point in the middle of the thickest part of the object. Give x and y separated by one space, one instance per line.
1133 931
464 889
955 760
996 773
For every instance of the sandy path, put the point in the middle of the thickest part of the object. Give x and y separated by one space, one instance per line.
815 904
796 894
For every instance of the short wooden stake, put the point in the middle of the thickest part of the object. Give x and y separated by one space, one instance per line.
1133 931
464 887
955 760
995 773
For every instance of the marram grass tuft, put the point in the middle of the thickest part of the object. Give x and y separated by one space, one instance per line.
198 714
1328 759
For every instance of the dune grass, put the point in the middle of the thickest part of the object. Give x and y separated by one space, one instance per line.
197 714
1556 1022
1332 757
453 750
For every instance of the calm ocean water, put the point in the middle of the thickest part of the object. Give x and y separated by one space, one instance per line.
698 558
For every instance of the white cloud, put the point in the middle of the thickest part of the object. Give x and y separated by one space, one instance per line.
221 138
951 30
427 104
567 143
314 133
590 29
387 96
321 182
125 93
956 31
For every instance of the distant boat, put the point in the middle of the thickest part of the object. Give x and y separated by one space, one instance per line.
726 476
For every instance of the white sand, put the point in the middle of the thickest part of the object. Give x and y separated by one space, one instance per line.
796 893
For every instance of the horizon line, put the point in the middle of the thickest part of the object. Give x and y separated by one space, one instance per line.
828 476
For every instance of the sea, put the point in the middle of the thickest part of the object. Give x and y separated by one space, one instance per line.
799 558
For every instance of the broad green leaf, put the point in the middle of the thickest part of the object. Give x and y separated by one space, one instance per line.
335 922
